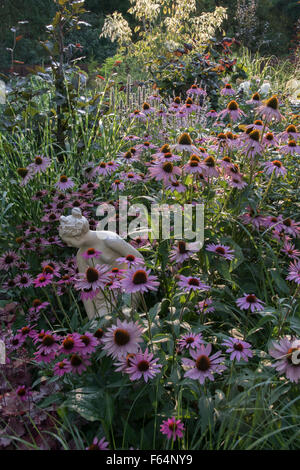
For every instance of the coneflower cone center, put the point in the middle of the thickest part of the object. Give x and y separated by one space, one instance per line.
203 363
251 299
238 347
121 337
48 340
143 366
92 275
140 277
185 139
272 103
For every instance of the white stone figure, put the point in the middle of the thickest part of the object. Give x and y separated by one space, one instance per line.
74 231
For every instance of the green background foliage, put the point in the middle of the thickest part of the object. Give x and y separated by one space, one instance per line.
275 22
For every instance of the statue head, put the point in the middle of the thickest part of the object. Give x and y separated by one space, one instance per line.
73 227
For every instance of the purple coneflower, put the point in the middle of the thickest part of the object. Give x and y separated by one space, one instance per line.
291 148
287 353
91 253
189 340
205 306
23 280
71 344
250 301
269 110
164 171
43 280
139 280
276 166
23 392
94 278
227 90
78 364
185 143
64 183
255 99
39 165
233 110
294 272
8 260
49 342
290 250
142 365
291 227
122 339
203 365
222 250
98 444
172 428
238 349
191 283
289 133
90 343
182 251
61 368
130 260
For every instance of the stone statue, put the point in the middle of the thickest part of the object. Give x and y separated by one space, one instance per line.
74 231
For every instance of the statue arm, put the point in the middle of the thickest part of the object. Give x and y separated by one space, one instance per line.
121 247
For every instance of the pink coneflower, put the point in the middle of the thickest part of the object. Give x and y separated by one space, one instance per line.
253 218
237 181
142 365
16 341
253 145
98 444
122 339
49 342
147 109
71 344
233 110
291 227
78 364
176 186
102 169
91 253
205 306
291 148
255 99
90 343
193 165
185 143
139 280
191 283
212 113
269 110
290 250
222 250
168 157
294 272
39 195
131 176
8 260
182 251
98 334
130 260
276 166
209 167
238 349
227 90
94 278
137 114
26 175
189 106
61 368
284 351
26 332
154 97
38 305
172 428
43 280
118 185
250 301
41 356
64 183
51 267
164 171
289 133
189 340
23 280
203 365
270 139
124 362
39 165
23 393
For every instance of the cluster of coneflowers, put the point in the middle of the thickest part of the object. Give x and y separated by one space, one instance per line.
182 170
